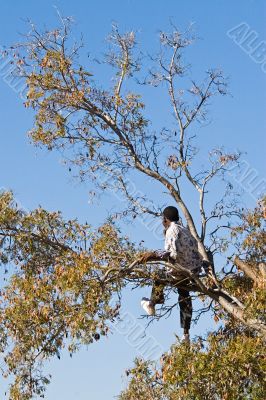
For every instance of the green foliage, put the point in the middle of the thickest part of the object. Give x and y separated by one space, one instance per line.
229 367
55 295
250 235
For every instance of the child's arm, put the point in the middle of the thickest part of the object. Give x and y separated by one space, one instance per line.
171 237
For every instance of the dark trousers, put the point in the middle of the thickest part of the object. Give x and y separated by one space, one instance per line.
184 300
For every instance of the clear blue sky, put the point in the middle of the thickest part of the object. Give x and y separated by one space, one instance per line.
238 122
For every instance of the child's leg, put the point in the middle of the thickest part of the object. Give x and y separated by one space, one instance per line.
185 304
157 297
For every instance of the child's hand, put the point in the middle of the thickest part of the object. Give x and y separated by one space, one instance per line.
162 254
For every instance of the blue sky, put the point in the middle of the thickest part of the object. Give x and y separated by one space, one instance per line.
38 177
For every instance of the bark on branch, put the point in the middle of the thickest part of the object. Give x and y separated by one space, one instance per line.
248 270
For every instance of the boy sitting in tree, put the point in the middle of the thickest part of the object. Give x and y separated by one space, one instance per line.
182 247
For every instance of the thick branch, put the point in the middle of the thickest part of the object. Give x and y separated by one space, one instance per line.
248 270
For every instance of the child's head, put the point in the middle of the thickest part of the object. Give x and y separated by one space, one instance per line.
170 214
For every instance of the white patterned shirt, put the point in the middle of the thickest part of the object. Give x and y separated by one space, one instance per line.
182 246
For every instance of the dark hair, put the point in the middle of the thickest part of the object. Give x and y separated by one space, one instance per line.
171 213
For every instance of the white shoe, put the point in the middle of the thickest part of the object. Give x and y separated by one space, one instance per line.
185 338
147 306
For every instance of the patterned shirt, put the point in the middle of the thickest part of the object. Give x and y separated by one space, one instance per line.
182 246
